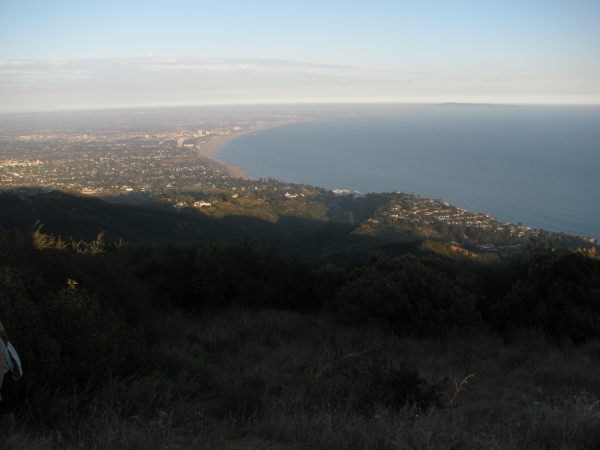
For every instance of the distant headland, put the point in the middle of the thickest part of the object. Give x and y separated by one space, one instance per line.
474 105
467 105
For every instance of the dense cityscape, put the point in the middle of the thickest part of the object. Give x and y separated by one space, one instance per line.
93 165
125 159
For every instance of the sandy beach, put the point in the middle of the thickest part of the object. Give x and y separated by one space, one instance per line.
209 148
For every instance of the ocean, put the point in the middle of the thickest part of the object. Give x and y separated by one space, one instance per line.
536 165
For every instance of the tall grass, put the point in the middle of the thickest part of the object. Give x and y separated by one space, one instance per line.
246 379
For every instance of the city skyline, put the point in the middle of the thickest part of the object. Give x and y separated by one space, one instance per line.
67 55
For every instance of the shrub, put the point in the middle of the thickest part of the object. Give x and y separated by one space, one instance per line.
558 292
251 276
18 314
409 295
70 347
94 344
367 380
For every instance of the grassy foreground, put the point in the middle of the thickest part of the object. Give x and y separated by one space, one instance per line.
284 380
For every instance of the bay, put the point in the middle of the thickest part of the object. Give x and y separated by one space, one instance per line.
536 165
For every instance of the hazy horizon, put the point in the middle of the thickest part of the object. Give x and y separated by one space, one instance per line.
70 55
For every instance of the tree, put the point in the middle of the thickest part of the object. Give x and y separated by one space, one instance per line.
557 291
409 295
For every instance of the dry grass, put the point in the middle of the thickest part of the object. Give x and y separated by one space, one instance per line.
528 393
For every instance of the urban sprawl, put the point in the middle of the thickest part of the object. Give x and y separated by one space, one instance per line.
170 160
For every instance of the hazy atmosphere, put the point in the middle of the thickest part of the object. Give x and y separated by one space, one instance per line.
331 225
71 54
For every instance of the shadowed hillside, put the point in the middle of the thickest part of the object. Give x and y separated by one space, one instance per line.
212 332
83 218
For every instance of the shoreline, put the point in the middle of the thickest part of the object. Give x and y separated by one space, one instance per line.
208 149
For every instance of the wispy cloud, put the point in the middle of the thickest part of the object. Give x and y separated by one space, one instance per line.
149 79
139 80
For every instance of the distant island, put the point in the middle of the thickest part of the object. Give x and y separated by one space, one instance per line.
468 105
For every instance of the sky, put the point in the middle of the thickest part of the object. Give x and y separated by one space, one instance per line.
73 54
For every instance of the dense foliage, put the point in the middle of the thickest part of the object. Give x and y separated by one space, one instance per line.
557 291
417 296
88 317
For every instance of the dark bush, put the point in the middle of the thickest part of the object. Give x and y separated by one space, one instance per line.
252 276
93 344
558 291
367 380
67 344
408 295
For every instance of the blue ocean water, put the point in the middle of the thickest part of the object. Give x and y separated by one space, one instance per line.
535 165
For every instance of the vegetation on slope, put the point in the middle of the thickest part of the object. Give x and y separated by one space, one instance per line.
213 344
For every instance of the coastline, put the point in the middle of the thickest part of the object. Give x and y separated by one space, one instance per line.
209 148
538 213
